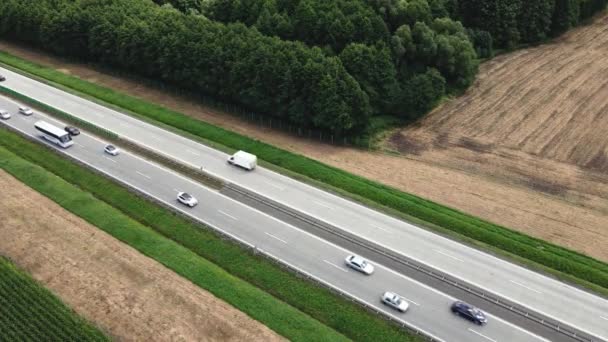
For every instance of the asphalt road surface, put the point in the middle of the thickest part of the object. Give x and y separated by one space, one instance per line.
429 309
538 293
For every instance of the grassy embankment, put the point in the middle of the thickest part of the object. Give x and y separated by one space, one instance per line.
251 283
30 312
562 263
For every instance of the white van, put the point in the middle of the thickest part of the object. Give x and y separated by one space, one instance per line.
243 159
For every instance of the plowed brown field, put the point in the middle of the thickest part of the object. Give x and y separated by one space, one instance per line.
130 296
525 147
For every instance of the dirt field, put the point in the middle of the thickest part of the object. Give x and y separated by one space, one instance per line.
525 147
131 297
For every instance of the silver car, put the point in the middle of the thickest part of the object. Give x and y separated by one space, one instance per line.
187 199
358 263
393 300
111 149
26 111
4 114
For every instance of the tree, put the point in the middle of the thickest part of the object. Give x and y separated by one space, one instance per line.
421 93
412 11
424 40
534 20
499 17
373 69
482 42
565 16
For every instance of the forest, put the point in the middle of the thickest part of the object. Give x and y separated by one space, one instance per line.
331 65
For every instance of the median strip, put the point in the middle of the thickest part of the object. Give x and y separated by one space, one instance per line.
196 174
148 228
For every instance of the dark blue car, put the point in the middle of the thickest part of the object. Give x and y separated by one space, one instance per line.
469 312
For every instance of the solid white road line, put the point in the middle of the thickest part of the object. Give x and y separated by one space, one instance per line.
192 152
110 159
232 217
353 296
274 185
482 335
336 266
323 204
524 286
143 175
602 317
409 300
274 237
451 256
380 228
275 219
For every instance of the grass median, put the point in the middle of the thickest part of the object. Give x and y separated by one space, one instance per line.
561 262
291 306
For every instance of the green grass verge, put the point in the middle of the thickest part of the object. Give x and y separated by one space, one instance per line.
30 312
567 264
306 312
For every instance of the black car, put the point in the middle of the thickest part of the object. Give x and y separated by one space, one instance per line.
72 130
469 312
2 78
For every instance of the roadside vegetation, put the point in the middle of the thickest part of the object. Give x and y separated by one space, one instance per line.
561 262
331 87
339 67
293 307
29 312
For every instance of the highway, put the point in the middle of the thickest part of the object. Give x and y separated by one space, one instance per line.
324 261
538 293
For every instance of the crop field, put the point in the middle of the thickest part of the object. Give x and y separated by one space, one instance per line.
535 121
29 312
129 295
193 253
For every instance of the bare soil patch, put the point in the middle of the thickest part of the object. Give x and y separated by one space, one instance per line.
130 296
526 147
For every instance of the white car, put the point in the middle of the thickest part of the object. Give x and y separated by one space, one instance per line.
4 114
112 150
25 111
358 263
187 199
393 300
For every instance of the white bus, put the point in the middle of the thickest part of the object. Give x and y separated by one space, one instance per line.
54 134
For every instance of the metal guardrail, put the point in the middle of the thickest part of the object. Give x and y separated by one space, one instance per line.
573 333
227 236
509 305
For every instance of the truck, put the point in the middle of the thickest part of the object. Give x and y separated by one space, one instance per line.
243 159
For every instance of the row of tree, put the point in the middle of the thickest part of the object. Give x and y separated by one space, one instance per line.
389 52
512 22
231 62
327 64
